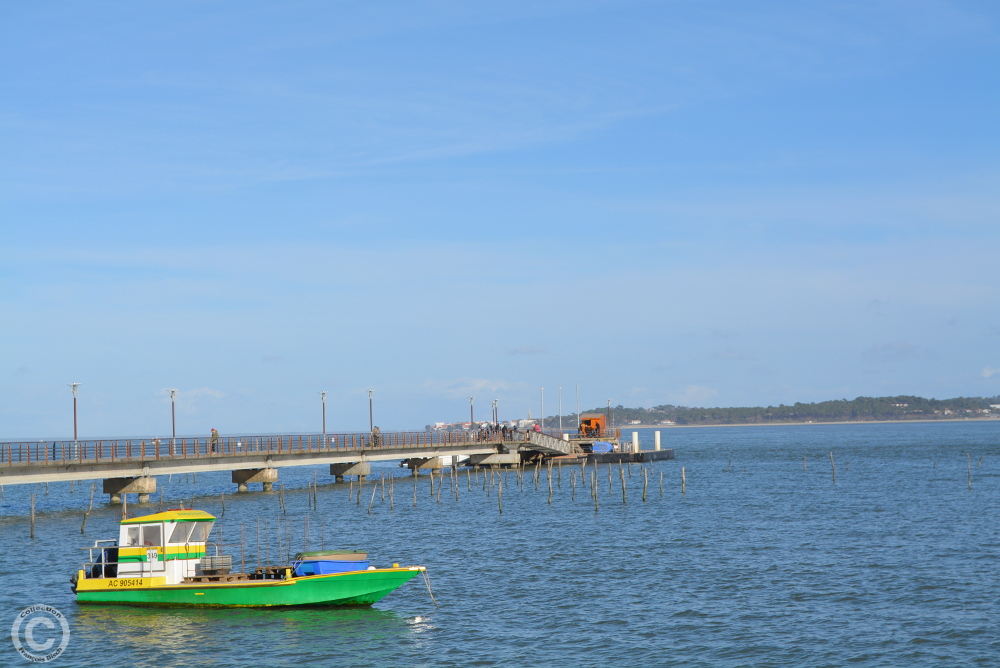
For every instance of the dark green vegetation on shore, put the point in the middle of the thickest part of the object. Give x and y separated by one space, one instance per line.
840 410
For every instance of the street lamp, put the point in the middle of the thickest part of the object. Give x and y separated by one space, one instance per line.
322 398
173 415
371 421
609 415
542 416
472 415
74 386
496 413
560 411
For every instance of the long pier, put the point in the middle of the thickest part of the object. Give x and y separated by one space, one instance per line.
131 465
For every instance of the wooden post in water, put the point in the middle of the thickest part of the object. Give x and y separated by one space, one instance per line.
572 486
803 462
223 504
683 481
374 492
968 457
621 473
661 483
87 514
361 483
979 464
350 493
594 484
414 491
500 496
33 515
645 483
833 467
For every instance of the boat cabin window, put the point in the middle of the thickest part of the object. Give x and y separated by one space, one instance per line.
133 536
151 534
191 532
181 532
201 531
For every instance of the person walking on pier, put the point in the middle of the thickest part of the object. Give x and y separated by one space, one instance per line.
215 440
376 437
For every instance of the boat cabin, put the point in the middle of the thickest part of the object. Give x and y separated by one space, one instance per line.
171 544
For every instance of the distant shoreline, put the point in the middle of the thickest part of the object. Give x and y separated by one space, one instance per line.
804 423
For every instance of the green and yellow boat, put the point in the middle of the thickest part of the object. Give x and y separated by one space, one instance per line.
162 560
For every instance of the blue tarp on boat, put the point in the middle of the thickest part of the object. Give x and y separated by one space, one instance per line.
326 567
600 447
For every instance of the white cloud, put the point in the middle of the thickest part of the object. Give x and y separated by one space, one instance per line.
989 371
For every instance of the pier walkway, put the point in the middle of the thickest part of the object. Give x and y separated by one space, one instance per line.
130 465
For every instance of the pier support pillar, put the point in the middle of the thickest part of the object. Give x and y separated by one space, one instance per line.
243 477
143 486
656 440
360 469
494 460
635 441
417 463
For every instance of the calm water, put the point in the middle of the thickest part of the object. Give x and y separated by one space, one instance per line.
894 564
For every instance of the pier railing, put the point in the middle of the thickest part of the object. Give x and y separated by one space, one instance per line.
61 453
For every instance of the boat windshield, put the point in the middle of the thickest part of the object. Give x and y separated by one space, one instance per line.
191 532
201 531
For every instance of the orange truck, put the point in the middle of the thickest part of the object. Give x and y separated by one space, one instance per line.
593 425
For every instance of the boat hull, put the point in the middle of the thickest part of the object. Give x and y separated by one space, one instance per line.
350 588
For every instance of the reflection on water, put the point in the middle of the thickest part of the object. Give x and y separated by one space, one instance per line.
185 635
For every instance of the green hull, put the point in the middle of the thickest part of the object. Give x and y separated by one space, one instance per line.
353 588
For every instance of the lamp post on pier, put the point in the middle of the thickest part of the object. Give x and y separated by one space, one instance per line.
472 414
371 420
74 386
496 413
542 415
322 398
560 411
173 415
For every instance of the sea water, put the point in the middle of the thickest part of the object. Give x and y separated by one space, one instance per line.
758 562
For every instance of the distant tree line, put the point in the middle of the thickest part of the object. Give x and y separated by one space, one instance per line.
839 410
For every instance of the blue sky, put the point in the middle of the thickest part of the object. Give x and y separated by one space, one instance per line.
704 203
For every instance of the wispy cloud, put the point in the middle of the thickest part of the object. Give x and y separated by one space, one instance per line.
527 350
192 401
693 395
989 372
896 351
273 359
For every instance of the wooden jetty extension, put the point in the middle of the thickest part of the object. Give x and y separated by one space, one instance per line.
130 466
